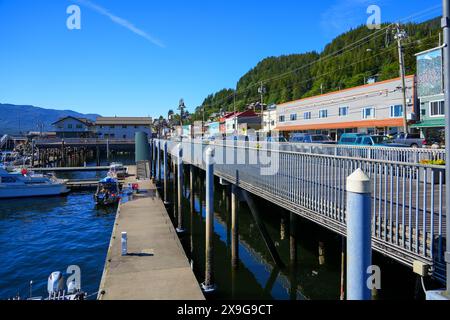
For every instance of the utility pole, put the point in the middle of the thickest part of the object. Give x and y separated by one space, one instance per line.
203 120
261 91
400 34
234 113
446 52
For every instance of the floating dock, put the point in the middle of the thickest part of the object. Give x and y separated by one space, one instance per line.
156 267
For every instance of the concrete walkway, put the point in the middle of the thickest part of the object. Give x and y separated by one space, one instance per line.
156 267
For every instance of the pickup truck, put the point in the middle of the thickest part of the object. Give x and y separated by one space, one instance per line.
412 140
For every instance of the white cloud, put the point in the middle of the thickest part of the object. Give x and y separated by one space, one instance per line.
345 14
122 22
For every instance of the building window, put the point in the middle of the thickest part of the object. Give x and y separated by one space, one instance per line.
437 108
69 126
124 127
368 113
101 127
79 126
343 111
307 116
282 118
396 111
293 117
111 127
323 113
124 136
136 127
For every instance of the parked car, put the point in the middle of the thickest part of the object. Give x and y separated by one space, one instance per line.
312 138
276 139
412 140
360 139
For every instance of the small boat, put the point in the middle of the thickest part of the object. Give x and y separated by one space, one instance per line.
56 291
108 192
20 184
117 170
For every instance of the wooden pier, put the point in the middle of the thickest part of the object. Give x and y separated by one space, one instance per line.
156 267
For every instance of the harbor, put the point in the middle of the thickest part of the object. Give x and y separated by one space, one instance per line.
278 164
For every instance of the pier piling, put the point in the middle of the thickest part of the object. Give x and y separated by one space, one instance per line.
234 228
208 285
165 174
359 242
180 228
293 239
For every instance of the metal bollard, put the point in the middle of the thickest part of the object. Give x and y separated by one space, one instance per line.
359 235
124 244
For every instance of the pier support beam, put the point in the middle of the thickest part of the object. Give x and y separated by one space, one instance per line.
359 241
208 285
165 174
159 160
180 228
191 188
97 155
262 229
234 228
107 151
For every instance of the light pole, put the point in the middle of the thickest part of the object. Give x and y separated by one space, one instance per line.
446 52
181 107
399 36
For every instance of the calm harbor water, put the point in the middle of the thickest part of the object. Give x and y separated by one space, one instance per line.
42 235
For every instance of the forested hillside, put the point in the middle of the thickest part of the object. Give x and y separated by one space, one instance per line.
349 60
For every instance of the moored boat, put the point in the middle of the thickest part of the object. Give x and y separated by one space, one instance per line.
26 184
108 192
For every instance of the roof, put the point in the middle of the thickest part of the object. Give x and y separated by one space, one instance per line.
84 121
344 125
239 114
124 121
343 90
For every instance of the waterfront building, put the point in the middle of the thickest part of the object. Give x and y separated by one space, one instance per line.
375 108
270 118
72 127
213 128
122 127
430 94
240 122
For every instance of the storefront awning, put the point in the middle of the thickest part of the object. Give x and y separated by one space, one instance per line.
429 124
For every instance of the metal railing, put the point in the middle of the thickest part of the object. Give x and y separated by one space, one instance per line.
91 141
408 209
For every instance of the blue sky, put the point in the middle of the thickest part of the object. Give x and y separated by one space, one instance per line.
139 57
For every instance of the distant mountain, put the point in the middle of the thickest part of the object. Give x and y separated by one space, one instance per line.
15 118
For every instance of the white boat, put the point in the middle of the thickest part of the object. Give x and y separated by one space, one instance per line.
117 170
24 184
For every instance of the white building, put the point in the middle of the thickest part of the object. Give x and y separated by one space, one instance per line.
269 119
375 108
122 127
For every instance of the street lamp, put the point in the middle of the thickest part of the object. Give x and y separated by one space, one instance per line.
181 107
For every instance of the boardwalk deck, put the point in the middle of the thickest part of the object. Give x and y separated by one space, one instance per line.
156 267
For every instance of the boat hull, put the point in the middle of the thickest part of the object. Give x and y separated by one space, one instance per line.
24 191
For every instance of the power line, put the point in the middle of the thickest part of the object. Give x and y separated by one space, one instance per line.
329 56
